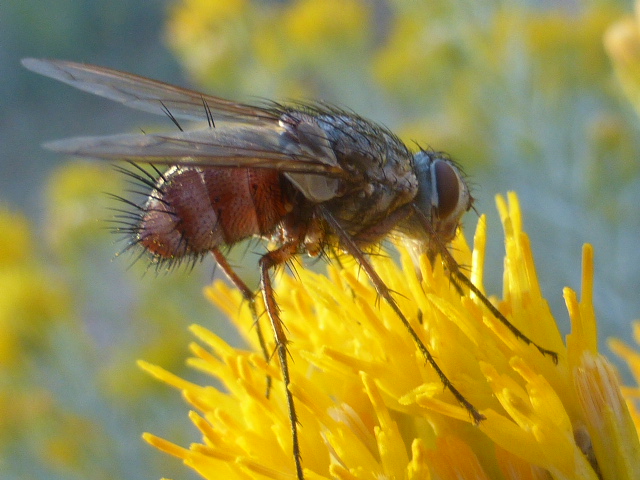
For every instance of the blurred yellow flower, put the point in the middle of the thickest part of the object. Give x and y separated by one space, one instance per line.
191 19
209 37
632 357
271 49
622 42
76 201
370 407
417 57
323 26
16 243
29 301
566 48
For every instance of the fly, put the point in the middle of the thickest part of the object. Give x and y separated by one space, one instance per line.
308 178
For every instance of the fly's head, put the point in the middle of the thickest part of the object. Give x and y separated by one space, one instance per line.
443 197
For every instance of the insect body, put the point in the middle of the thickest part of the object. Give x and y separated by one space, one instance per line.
194 209
306 177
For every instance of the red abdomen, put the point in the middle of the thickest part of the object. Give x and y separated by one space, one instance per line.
194 209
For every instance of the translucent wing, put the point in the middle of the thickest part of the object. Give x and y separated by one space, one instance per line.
145 94
250 137
224 146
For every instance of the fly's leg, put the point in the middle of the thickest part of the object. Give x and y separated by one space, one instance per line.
453 267
352 248
454 270
250 298
269 261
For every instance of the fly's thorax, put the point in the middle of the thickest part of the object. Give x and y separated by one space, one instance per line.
380 177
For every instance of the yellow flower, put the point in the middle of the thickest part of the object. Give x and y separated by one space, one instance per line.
371 408
16 242
75 203
30 303
622 42
316 27
632 357
210 37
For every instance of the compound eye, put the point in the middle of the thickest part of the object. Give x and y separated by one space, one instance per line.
448 188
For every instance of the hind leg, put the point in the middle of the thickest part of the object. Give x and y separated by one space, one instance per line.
250 297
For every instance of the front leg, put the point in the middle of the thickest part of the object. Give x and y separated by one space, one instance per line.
351 246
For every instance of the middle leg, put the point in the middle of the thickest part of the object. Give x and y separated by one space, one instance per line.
268 262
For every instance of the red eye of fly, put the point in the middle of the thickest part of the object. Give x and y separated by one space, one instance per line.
448 188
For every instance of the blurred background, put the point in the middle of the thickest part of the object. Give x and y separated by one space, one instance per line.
539 97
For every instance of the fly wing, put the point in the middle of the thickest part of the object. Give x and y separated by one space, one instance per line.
145 94
228 145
